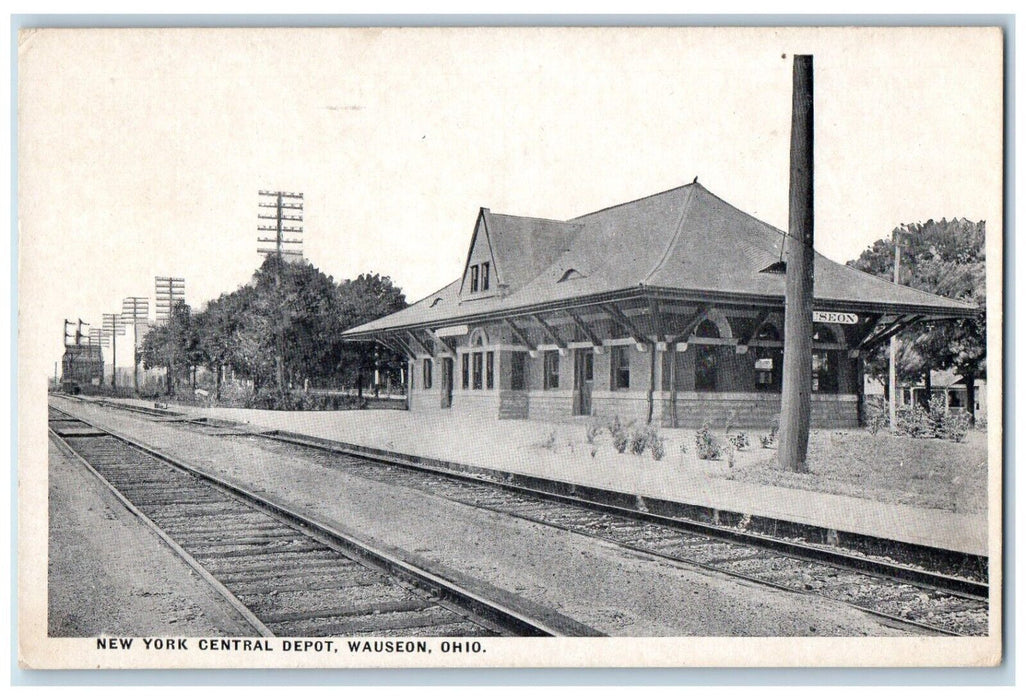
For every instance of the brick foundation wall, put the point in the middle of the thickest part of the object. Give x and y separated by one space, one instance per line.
513 404
552 405
751 410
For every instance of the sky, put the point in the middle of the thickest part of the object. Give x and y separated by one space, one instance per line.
141 152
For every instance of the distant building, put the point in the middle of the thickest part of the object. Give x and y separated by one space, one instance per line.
667 309
81 364
951 387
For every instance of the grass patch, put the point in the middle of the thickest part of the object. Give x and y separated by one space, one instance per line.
891 469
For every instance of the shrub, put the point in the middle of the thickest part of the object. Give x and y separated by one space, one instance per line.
658 447
913 421
730 457
877 421
619 434
592 432
954 426
550 442
937 412
640 440
739 441
707 445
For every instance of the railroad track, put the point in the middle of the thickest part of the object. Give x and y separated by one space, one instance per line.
932 602
285 575
919 599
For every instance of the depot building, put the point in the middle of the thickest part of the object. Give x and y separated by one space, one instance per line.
668 309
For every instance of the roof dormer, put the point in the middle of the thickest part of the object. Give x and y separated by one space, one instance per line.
480 276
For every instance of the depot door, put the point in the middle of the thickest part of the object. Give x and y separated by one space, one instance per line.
447 367
584 373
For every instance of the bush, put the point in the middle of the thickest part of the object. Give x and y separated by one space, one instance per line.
739 441
708 446
550 442
658 447
640 440
954 426
937 411
913 421
619 434
592 432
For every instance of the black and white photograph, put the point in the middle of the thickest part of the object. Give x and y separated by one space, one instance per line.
393 347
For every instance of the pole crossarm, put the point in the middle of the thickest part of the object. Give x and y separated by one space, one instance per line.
632 330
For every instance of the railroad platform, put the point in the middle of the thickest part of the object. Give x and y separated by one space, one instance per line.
522 450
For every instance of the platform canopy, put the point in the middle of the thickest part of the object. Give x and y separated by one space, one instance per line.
685 246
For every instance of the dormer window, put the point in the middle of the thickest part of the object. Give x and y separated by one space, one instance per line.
484 276
473 278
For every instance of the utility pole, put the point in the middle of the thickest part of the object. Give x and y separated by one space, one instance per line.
113 325
136 310
796 395
98 338
892 370
288 219
168 292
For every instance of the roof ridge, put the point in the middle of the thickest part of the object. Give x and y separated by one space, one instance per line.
434 293
536 218
685 209
634 201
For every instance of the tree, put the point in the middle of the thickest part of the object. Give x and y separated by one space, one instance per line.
366 298
946 258
171 345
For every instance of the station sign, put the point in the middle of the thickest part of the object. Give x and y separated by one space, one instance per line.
834 317
449 331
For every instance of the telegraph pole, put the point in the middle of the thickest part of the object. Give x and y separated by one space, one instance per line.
796 396
98 337
113 325
136 310
168 292
288 219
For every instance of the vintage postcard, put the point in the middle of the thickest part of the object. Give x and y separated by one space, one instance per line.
510 347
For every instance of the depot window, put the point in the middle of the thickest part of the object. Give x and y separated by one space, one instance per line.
427 374
466 371
824 363
490 370
706 358
551 369
620 366
473 278
518 371
478 363
484 276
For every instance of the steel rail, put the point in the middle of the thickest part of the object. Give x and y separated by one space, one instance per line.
900 573
511 621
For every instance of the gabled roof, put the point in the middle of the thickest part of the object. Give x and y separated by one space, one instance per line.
523 246
682 242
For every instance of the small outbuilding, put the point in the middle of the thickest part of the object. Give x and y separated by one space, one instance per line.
667 309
